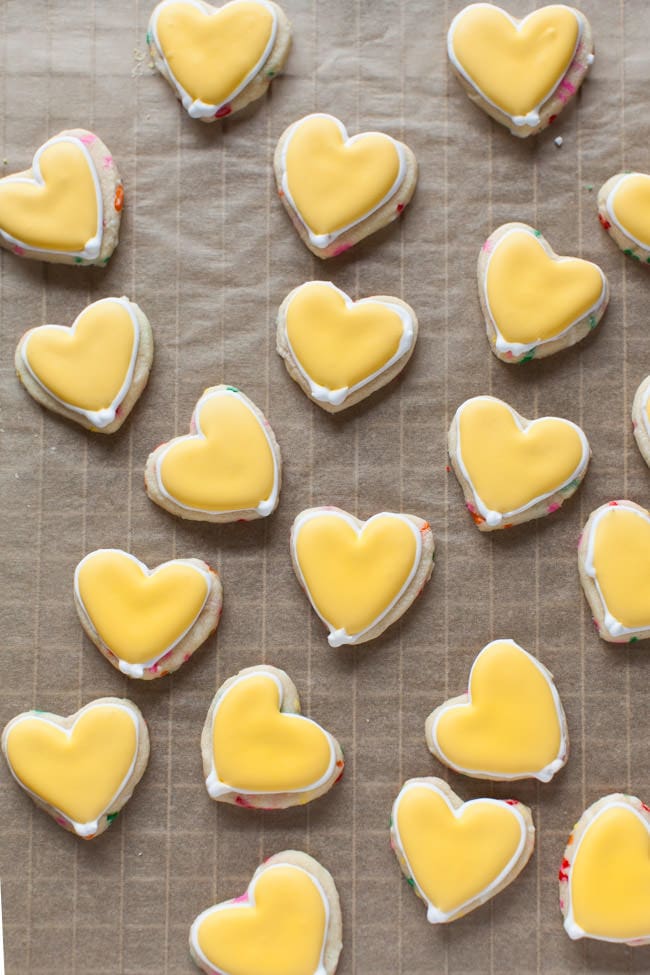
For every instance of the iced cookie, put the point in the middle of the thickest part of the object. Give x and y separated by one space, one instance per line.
259 751
521 72
614 563
218 59
83 769
624 212
605 873
360 576
511 469
641 419
228 467
67 207
534 302
338 189
457 855
339 351
146 622
288 921
509 725
93 371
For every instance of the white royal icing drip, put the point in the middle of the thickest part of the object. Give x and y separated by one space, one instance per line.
609 206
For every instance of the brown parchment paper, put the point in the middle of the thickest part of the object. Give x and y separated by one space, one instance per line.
208 252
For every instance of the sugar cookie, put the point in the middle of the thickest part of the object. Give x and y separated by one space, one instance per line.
624 212
641 419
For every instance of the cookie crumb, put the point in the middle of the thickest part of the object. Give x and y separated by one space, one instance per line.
558 141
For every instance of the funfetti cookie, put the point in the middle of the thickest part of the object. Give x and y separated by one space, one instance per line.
457 855
534 302
218 59
93 371
509 725
228 468
605 873
511 469
338 188
67 207
521 72
339 351
641 419
360 576
259 751
288 921
146 622
624 212
80 769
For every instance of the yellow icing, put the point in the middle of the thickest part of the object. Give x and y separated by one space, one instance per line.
79 773
621 559
511 726
352 578
61 212
280 931
84 366
212 52
333 182
610 876
516 68
454 858
630 205
228 467
532 296
137 615
508 468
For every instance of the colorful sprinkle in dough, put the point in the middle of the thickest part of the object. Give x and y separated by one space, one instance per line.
511 469
227 469
510 724
360 576
61 210
94 371
624 212
458 854
641 419
82 769
287 923
339 351
146 622
521 72
533 300
218 60
259 751
605 873
338 189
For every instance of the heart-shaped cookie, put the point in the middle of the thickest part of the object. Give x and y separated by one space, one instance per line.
259 751
146 622
67 207
218 59
338 189
641 418
521 72
512 469
605 873
614 562
227 469
624 212
287 923
509 725
80 769
360 576
338 350
456 854
534 302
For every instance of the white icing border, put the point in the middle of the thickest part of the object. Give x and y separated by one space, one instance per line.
543 775
533 117
644 406
217 787
138 670
267 505
338 638
434 914
609 206
93 246
99 418
194 107
88 829
250 902
323 394
324 240
495 518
